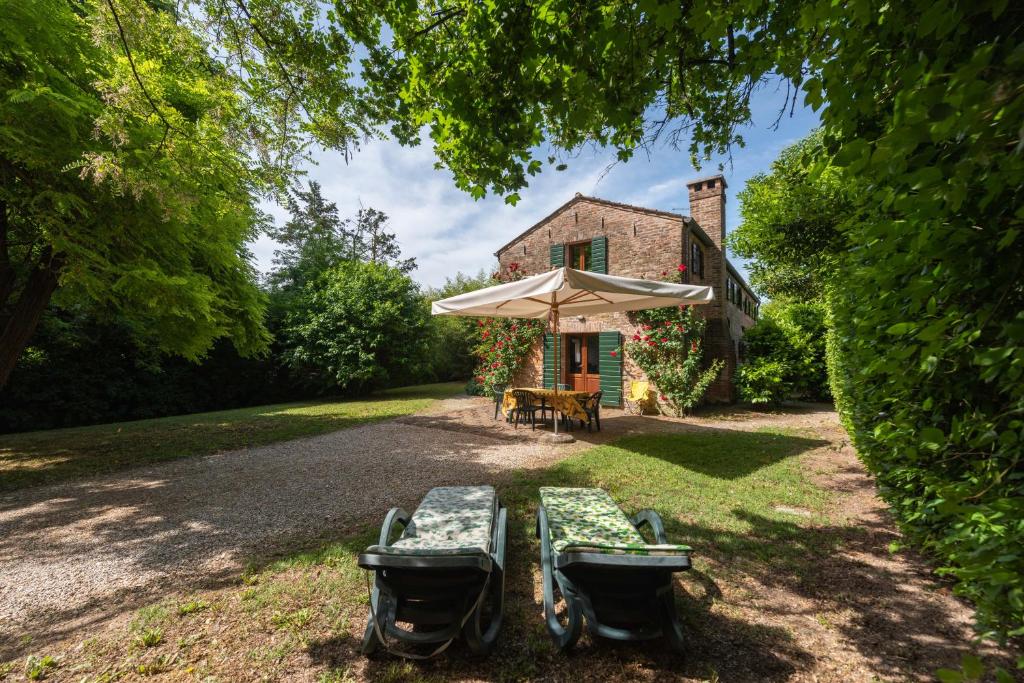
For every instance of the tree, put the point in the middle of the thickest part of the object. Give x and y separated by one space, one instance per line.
453 338
312 241
359 326
920 100
369 241
791 223
135 140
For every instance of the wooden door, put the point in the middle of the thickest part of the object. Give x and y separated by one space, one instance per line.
582 362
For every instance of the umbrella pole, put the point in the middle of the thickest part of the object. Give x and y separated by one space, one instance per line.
554 326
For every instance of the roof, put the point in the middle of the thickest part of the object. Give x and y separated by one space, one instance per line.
596 200
736 274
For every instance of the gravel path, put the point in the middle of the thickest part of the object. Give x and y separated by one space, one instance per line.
71 553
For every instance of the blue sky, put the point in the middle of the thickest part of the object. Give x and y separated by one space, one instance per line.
447 231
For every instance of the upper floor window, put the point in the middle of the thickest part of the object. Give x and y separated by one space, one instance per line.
696 260
579 255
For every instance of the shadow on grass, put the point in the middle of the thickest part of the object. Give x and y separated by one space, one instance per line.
805 571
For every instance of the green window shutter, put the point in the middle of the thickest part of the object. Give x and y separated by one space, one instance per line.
558 255
599 255
610 367
549 361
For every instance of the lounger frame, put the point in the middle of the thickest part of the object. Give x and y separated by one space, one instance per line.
622 597
443 596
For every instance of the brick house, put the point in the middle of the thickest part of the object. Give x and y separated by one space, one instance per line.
620 239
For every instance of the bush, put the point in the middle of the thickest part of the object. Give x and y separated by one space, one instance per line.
764 381
453 339
357 327
789 342
474 388
669 347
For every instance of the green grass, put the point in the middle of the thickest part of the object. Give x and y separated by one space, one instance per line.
35 458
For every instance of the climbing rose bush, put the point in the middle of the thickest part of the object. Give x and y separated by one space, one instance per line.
668 345
504 343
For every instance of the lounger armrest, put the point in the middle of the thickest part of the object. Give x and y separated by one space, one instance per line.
653 520
388 557
394 516
580 558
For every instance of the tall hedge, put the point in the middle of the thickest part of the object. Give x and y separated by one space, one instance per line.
928 304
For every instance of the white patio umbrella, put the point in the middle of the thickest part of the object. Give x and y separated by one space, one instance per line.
573 292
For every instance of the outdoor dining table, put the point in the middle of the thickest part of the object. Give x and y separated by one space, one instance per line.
567 402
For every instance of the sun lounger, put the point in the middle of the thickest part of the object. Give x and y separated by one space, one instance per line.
443 577
605 570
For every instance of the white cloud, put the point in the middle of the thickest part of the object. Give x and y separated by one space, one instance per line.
443 227
447 231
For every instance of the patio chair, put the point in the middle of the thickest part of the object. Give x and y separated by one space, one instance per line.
499 396
443 577
526 408
605 571
592 407
639 397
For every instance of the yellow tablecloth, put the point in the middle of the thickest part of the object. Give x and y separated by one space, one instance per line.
565 402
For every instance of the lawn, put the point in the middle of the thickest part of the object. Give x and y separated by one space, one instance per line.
302 616
44 457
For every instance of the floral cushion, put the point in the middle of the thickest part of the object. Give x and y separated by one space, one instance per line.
588 520
451 520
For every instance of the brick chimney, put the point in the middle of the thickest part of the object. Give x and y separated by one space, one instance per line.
707 206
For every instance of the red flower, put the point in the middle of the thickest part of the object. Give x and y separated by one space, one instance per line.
650 343
693 347
646 337
485 335
636 337
663 397
681 268
613 353
664 339
664 273
513 267
479 323
647 327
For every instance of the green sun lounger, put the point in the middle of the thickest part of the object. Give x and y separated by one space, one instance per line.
605 570
443 577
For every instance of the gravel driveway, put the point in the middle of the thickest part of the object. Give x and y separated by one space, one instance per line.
78 552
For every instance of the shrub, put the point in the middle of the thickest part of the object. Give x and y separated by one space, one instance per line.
474 388
504 344
358 326
764 381
788 342
668 346
453 339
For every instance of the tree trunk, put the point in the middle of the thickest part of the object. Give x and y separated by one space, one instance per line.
25 315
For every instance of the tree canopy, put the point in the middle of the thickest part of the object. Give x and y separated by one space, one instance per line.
790 225
135 140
